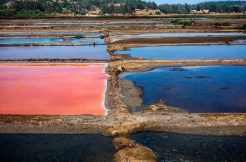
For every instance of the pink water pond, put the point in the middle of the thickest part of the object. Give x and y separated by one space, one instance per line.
53 90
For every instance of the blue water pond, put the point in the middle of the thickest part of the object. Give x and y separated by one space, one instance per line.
196 88
187 52
54 52
190 34
72 41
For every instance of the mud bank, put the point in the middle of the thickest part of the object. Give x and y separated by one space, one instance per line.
145 65
177 40
125 124
183 30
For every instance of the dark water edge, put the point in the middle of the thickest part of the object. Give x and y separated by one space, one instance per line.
55 148
171 147
194 88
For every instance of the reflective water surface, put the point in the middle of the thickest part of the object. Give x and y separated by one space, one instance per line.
187 52
54 52
51 34
72 41
196 88
180 147
53 90
55 148
189 34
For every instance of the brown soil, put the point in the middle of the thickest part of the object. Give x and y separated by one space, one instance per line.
177 40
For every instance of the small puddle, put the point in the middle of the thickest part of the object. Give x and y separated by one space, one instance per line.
187 52
181 147
196 88
55 52
30 147
53 90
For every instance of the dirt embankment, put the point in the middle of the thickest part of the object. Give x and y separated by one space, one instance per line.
131 94
176 30
145 65
177 40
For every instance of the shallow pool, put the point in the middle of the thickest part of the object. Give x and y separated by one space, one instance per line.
51 34
53 90
54 52
58 41
181 147
117 37
187 52
190 34
196 88
52 148
123 24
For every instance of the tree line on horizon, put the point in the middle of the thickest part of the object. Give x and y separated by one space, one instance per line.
27 8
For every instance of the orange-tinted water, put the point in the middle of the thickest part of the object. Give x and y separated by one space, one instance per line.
53 90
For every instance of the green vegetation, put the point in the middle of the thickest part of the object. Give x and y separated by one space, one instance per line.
27 8
243 27
42 8
219 7
222 6
222 24
183 23
175 8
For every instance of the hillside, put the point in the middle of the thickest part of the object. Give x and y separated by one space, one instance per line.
41 8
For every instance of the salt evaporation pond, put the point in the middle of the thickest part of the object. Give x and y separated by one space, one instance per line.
190 34
101 24
51 148
153 35
187 52
52 34
54 52
53 90
52 41
196 88
181 147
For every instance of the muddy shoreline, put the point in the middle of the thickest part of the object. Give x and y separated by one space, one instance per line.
133 97
177 40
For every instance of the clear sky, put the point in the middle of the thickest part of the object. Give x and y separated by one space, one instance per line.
183 1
